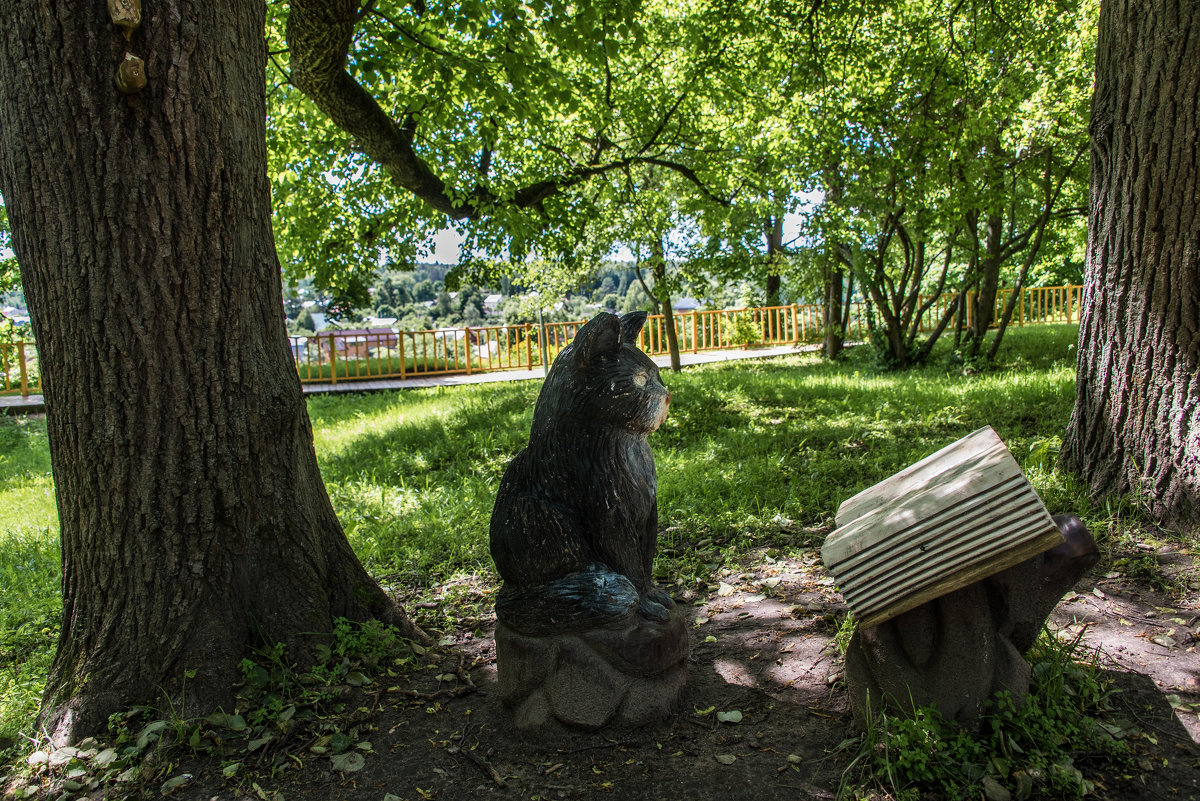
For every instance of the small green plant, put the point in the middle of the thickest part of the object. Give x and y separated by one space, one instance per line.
1019 749
743 330
845 630
276 699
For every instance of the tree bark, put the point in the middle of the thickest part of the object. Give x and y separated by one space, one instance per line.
194 523
1136 423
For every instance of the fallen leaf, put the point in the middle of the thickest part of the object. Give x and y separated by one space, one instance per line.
725 759
105 758
724 590
732 716
258 743
175 783
1163 640
348 762
994 791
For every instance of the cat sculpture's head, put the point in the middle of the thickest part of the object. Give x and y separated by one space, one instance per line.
602 379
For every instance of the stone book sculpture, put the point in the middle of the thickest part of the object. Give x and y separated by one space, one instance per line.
947 521
583 637
952 566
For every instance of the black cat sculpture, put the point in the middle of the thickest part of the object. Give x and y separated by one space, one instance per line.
583 637
956 651
576 519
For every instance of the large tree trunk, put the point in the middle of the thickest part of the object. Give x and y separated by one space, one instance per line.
1136 424
660 283
773 236
831 318
834 270
989 284
194 522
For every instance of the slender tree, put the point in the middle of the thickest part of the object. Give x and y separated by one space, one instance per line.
1136 424
194 522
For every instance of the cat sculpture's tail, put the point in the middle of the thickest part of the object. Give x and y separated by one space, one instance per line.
590 598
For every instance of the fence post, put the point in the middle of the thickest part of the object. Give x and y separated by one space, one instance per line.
1022 312
695 343
332 360
403 358
1069 294
24 375
529 345
467 347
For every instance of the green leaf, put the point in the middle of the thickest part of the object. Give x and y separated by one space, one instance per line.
150 731
732 716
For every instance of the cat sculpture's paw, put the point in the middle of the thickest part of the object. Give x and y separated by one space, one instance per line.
656 605
653 610
660 597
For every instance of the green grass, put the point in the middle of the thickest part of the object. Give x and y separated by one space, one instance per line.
753 454
29 573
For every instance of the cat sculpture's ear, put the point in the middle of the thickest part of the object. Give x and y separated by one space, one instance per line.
601 334
631 326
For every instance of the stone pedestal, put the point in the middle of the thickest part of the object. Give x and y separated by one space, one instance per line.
626 675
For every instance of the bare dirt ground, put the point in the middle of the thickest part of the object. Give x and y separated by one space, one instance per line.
762 647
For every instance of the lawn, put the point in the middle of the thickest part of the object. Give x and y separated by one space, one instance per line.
754 454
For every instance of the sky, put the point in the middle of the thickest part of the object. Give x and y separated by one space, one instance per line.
443 248
446 246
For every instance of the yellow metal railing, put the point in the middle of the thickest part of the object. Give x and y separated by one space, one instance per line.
333 356
19 373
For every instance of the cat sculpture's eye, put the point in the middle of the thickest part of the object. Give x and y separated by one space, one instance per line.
639 380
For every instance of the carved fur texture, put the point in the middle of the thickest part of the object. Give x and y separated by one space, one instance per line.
575 523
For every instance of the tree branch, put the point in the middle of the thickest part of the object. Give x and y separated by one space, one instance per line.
319 33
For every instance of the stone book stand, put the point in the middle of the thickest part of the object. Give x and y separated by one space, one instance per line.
584 639
952 566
